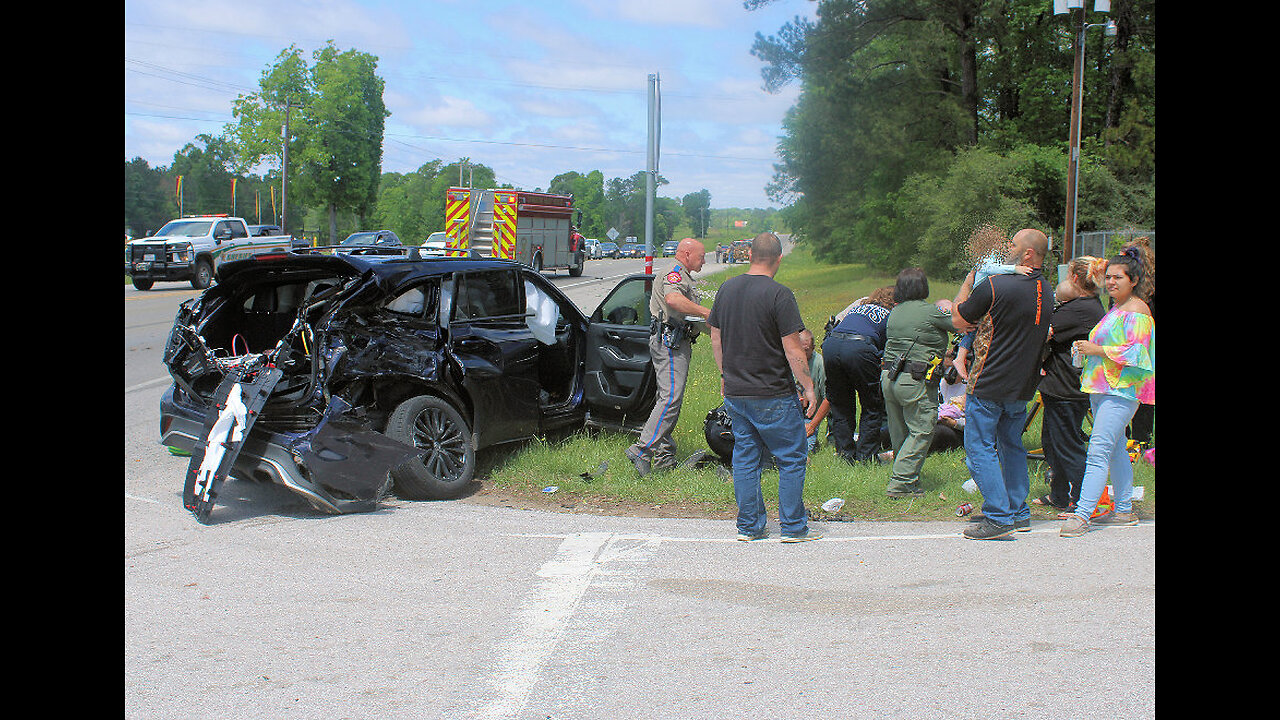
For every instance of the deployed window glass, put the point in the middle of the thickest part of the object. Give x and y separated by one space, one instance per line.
487 294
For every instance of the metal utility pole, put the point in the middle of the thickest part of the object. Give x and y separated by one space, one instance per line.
651 177
1073 159
284 179
1076 11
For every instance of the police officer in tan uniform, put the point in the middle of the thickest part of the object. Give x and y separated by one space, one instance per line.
670 348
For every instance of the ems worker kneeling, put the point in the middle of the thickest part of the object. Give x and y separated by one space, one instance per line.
670 349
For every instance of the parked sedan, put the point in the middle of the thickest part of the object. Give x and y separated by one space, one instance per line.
343 377
609 250
380 242
632 250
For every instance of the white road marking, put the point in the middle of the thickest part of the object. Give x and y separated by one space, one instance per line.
157 381
828 538
543 615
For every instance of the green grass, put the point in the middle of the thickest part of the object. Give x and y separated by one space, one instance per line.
822 290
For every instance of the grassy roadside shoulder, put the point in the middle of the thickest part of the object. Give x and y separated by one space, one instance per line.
522 475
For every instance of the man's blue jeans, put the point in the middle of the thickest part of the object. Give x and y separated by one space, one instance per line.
996 457
764 426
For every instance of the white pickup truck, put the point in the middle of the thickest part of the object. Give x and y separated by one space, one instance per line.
192 248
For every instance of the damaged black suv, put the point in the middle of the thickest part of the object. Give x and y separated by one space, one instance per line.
344 376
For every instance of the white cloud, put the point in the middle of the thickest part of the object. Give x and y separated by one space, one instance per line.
695 13
449 114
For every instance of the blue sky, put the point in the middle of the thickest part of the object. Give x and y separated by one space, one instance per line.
531 89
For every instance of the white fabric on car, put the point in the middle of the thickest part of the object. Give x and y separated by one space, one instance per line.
542 320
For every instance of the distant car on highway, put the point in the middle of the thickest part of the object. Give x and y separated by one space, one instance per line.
669 248
632 250
379 242
435 245
609 250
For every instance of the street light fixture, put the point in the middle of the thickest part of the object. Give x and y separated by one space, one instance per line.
1075 8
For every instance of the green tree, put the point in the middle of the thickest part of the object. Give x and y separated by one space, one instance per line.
893 92
341 164
206 175
697 210
335 116
148 198
588 197
625 203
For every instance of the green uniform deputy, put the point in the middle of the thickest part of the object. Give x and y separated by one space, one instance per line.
671 339
915 340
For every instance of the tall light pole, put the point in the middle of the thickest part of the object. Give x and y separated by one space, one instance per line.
1075 8
284 170
651 174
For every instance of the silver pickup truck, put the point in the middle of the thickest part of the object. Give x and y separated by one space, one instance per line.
193 247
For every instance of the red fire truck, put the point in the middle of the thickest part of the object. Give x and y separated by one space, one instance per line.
532 228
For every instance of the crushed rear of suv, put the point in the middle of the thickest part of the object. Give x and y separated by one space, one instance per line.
343 377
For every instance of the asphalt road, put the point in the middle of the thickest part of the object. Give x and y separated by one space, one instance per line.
455 610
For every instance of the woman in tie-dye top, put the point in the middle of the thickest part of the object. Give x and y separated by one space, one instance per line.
1119 374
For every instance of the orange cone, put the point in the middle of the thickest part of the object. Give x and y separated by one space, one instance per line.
1104 506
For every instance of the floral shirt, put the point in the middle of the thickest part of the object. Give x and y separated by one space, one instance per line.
1128 367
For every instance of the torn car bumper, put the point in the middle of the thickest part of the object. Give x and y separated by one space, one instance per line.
340 466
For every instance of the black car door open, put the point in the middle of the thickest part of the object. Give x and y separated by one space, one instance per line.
490 338
619 386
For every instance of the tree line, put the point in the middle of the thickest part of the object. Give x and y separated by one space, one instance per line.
411 204
333 110
919 121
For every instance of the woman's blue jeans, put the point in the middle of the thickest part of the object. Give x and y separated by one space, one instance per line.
1108 454
764 426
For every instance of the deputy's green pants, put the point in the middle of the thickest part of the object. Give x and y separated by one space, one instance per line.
912 410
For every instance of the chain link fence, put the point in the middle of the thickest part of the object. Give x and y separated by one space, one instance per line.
1101 244
1098 244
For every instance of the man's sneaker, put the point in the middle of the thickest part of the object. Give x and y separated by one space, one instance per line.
1114 518
987 530
1075 526
1022 525
641 464
808 535
744 537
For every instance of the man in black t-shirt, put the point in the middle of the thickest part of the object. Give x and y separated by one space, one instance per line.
755 335
1002 380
